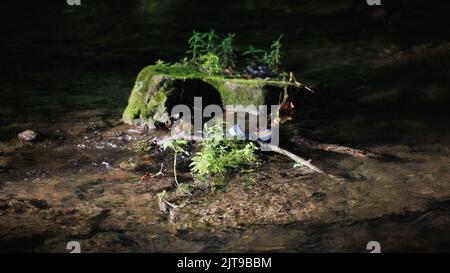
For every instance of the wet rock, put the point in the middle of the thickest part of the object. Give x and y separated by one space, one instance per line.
139 129
278 201
3 205
89 192
27 135
40 204
163 207
173 216
319 196
181 126
82 219
22 206
154 185
260 71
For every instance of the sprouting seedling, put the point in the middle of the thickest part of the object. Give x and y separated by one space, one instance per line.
178 147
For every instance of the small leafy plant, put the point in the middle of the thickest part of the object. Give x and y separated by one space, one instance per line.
227 51
273 58
177 146
196 44
202 43
219 155
212 54
210 63
211 41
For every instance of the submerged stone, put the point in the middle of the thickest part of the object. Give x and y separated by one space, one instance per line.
159 88
27 135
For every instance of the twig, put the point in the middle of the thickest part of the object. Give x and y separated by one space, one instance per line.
294 157
161 171
314 145
293 81
170 204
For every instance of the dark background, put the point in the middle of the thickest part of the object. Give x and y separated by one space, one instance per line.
139 31
381 76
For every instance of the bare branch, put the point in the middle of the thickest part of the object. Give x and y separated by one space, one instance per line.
314 145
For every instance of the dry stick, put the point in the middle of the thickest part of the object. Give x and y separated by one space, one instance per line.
294 82
161 171
270 147
311 144
175 169
294 157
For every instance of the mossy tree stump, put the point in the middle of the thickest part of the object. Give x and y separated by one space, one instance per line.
159 87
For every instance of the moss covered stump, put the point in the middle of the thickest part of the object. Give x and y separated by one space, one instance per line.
160 87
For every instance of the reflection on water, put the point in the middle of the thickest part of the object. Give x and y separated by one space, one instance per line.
70 81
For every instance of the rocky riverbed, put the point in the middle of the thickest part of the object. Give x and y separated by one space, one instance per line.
89 196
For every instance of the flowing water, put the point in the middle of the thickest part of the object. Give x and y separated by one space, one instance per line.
382 84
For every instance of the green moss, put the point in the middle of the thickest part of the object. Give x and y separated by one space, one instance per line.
176 71
146 97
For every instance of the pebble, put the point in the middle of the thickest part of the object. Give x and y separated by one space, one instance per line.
27 135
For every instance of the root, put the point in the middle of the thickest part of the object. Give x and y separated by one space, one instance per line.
294 157
311 144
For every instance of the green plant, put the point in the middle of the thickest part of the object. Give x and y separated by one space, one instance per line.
211 54
219 155
226 51
273 58
161 63
211 39
185 188
163 195
255 55
184 63
196 44
210 63
202 43
177 147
